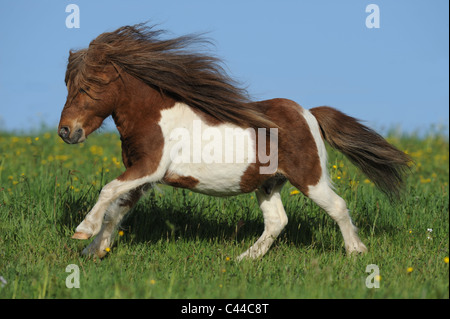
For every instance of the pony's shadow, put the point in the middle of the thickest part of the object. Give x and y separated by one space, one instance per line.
73 209
150 222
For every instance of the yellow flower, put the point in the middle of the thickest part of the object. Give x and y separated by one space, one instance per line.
446 260
377 278
36 138
353 183
107 249
96 150
224 270
295 192
152 282
61 157
334 166
121 233
409 270
228 259
424 180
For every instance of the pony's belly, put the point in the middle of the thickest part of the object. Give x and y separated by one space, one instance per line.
210 179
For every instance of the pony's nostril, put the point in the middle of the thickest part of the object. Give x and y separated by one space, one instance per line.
64 132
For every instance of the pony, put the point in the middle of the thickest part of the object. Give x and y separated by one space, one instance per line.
153 87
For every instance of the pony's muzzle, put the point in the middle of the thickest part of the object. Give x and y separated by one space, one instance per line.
76 136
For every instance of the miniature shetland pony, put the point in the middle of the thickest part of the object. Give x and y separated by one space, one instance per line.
166 100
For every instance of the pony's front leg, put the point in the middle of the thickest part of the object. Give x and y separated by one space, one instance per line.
112 191
92 223
114 214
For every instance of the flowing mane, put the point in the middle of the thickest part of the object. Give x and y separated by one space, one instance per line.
171 67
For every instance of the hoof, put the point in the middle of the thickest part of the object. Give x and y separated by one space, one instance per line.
358 249
80 235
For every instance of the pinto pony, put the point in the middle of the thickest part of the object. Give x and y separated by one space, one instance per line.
153 87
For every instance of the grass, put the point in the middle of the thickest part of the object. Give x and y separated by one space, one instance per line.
179 244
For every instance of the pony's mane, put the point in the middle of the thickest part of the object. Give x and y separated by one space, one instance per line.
171 67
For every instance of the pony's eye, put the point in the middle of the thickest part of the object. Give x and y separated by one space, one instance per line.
84 91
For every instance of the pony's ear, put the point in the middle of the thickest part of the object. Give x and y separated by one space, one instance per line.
96 53
72 55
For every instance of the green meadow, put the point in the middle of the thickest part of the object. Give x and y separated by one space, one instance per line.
179 244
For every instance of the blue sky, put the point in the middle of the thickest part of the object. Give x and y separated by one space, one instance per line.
314 52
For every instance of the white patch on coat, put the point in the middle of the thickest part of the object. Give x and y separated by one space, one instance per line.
315 131
204 151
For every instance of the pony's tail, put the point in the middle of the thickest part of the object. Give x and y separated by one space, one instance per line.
384 165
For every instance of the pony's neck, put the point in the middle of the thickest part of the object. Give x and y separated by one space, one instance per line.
139 106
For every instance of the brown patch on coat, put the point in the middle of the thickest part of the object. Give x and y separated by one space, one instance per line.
298 157
133 196
176 180
141 136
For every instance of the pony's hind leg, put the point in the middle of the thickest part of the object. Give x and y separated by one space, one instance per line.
317 187
335 206
275 218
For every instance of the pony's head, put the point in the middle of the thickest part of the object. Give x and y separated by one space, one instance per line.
92 93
